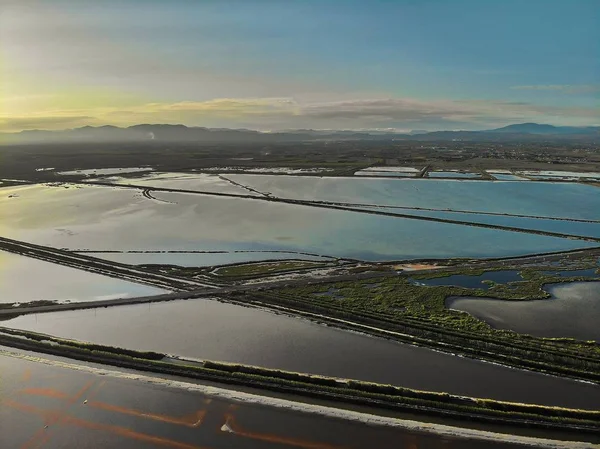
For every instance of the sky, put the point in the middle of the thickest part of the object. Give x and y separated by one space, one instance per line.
290 64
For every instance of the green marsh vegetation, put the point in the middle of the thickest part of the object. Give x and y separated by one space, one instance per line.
418 314
349 391
266 268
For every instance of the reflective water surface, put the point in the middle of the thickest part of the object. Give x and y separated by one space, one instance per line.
572 311
46 403
219 331
23 279
390 174
204 259
557 174
117 219
584 229
187 181
105 171
532 198
507 177
452 174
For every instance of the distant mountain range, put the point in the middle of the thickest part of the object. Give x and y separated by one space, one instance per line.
536 128
181 133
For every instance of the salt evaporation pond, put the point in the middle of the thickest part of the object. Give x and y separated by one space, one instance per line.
278 170
505 175
23 279
508 177
385 174
390 168
117 219
137 407
549 199
203 182
219 331
453 174
572 311
105 171
583 229
388 171
560 175
204 259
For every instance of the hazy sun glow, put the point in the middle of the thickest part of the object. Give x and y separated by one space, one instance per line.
280 65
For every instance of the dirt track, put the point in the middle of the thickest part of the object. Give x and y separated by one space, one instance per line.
196 293
188 288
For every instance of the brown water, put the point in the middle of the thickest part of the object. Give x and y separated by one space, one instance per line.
120 413
218 331
572 311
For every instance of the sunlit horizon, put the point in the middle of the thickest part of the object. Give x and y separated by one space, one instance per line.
273 66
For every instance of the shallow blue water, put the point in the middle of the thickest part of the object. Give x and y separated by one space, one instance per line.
531 198
584 229
104 219
203 259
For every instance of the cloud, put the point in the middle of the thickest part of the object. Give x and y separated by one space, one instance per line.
227 106
394 109
474 111
45 122
284 113
562 88
223 112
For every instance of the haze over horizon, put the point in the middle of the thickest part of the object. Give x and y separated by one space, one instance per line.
266 65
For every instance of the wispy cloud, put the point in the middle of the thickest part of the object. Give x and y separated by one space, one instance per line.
562 88
46 122
398 111
281 113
